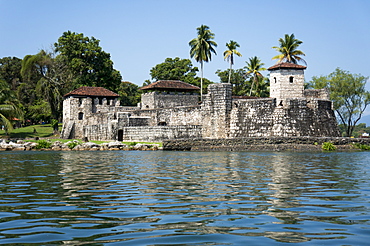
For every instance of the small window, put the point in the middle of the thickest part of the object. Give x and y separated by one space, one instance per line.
100 101
162 123
291 78
275 79
80 116
80 101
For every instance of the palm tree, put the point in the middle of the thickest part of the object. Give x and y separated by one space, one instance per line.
53 77
229 54
254 66
288 49
8 108
202 48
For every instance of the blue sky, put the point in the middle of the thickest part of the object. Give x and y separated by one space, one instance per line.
142 33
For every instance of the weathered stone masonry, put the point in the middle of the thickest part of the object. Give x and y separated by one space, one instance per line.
290 111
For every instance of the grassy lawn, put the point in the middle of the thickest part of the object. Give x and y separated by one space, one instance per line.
42 131
45 131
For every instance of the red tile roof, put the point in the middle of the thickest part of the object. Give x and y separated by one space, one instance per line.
92 91
287 65
170 85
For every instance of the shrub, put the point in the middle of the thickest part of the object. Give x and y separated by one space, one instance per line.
73 144
54 123
362 146
43 144
328 146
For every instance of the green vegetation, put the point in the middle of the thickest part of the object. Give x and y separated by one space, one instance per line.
73 144
177 69
86 60
31 88
201 48
129 94
229 54
43 144
361 146
349 96
358 130
328 146
254 67
40 131
288 49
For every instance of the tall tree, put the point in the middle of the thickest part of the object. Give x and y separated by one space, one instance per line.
90 65
288 48
254 68
229 54
10 71
54 79
239 80
178 69
9 109
174 69
201 48
348 93
129 94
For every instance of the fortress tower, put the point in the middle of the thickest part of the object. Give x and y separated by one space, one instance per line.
286 81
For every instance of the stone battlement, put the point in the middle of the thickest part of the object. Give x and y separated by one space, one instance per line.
291 111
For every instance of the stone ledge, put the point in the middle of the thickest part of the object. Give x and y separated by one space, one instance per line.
262 144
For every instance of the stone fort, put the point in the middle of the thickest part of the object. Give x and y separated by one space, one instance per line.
171 110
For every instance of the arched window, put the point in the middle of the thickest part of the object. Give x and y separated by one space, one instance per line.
80 116
275 79
162 123
291 78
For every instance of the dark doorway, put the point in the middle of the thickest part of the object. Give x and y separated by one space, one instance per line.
120 135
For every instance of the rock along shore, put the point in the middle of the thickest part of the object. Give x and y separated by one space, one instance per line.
235 144
263 144
21 145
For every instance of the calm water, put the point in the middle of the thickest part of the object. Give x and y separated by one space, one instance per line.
184 198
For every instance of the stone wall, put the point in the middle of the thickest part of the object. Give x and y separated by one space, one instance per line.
216 110
155 99
158 133
317 93
190 115
97 132
252 117
282 87
259 143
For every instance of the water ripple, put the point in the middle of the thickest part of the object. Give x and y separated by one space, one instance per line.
184 198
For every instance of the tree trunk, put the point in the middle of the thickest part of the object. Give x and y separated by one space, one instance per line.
201 81
230 71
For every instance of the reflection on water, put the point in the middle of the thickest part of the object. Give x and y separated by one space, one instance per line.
184 198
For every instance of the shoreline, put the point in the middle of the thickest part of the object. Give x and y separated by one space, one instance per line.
297 144
264 144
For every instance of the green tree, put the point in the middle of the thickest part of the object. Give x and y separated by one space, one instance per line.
254 68
229 54
91 66
54 79
201 48
347 91
174 69
129 94
9 109
239 80
288 49
10 71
